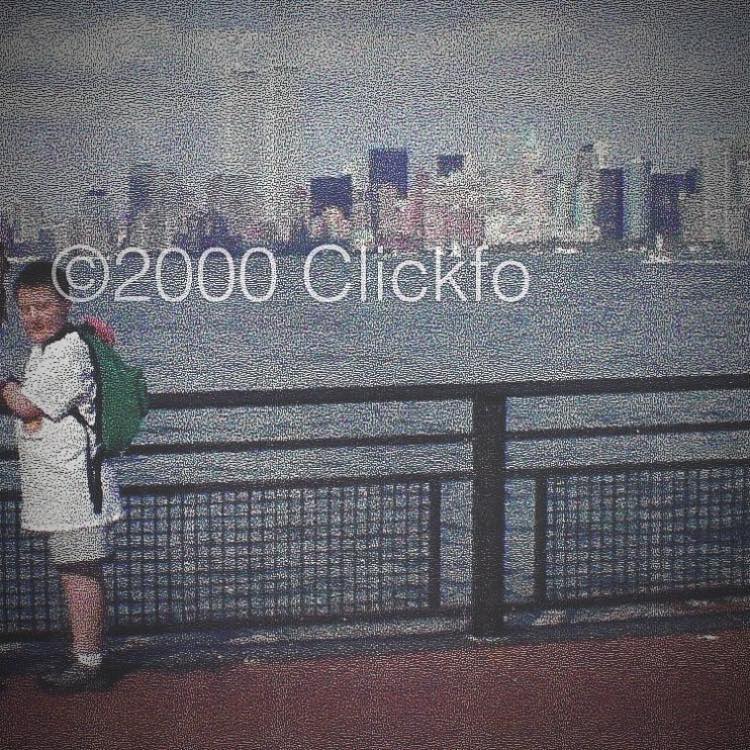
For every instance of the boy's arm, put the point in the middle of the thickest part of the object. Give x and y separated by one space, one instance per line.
17 403
61 378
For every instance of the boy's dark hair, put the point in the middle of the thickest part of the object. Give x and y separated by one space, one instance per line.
39 273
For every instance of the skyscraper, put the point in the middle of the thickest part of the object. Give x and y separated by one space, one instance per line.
725 187
447 164
331 192
609 212
389 182
636 199
389 166
283 147
562 209
586 193
665 207
520 204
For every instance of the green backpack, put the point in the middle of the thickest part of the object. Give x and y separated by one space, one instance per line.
122 400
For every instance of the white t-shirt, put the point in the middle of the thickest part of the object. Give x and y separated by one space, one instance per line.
58 455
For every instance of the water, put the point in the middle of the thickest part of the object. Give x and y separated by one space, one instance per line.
584 317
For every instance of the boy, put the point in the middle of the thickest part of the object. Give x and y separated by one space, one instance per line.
69 493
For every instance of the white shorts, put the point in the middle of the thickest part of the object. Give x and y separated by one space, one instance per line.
94 544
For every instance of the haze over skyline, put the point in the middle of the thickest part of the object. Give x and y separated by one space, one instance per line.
86 93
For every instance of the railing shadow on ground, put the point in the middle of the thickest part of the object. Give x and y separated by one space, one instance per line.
378 546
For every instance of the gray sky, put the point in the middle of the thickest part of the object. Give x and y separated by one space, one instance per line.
86 91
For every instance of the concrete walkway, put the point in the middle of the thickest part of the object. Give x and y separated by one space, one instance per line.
670 691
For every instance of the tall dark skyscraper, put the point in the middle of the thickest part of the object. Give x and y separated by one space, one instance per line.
585 161
331 192
142 187
665 208
609 210
693 179
389 166
447 164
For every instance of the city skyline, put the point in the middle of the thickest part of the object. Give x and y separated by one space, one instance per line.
456 202
118 86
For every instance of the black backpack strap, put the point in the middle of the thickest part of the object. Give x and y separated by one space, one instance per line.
93 466
93 463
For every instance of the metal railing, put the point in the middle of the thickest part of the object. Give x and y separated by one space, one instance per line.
373 545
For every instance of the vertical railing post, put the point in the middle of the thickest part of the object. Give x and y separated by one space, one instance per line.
433 593
540 540
488 514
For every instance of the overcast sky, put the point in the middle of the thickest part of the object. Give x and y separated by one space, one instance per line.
88 90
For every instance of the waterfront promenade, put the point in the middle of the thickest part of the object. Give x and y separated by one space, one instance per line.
679 690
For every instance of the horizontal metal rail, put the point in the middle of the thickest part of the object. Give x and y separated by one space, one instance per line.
404 440
448 391
443 391
466 475
677 428
696 593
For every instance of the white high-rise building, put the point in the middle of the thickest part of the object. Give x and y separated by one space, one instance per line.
239 117
587 163
725 168
357 169
95 220
562 209
603 152
637 199
283 148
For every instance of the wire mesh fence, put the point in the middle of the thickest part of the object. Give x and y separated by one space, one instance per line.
410 544
646 533
246 554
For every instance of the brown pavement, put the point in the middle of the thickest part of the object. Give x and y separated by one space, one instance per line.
675 691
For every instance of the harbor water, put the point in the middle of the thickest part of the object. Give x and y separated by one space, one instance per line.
584 316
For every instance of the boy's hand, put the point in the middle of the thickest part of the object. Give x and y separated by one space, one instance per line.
30 426
18 404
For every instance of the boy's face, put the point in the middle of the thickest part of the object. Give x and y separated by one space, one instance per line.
43 311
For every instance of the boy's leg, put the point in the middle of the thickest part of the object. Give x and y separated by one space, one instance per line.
86 601
78 556
83 585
